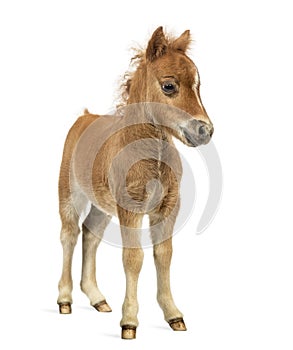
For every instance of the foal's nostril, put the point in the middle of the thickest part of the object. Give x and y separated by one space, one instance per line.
205 131
202 130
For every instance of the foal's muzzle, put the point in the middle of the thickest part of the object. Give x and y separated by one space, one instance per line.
197 132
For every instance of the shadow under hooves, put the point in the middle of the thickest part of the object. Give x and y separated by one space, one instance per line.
52 311
111 335
161 327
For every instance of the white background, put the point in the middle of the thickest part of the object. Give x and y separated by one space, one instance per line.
233 282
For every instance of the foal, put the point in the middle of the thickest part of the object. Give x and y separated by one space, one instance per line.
127 165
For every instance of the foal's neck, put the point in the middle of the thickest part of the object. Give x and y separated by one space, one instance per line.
142 126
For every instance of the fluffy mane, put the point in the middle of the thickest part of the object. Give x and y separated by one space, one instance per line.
137 60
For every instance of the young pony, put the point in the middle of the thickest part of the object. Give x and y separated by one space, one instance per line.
126 165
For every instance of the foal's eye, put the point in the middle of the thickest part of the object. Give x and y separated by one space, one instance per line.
168 88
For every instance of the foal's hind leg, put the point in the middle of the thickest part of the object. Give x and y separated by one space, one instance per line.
92 232
161 232
69 234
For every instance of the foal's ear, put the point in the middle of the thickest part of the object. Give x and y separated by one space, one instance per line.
182 43
157 45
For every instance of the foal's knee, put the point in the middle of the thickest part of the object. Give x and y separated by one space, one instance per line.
69 234
133 259
163 252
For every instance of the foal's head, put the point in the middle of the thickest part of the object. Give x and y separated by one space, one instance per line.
168 78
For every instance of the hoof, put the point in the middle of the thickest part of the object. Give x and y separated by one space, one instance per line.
102 306
128 332
65 308
177 324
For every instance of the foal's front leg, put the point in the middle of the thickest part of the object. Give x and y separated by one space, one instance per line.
132 262
161 232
